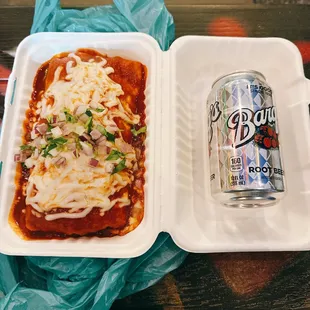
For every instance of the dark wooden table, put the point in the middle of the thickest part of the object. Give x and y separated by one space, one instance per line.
279 280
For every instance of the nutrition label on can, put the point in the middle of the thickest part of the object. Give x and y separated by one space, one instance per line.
235 163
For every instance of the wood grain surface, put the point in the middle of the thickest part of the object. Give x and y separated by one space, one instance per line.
198 284
279 280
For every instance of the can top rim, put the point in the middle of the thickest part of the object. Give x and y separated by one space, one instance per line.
237 73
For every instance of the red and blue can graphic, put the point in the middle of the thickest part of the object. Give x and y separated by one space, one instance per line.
243 140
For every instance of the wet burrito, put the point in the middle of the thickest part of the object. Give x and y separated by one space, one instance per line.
81 167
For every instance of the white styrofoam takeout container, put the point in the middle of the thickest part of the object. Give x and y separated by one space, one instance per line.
177 195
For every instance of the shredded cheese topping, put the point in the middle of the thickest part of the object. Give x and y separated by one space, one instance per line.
67 171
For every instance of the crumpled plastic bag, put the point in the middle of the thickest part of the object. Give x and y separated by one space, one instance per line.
91 283
148 16
83 283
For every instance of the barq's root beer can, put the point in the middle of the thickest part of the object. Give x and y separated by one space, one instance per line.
243 139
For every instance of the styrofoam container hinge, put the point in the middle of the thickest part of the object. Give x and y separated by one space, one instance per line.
166 159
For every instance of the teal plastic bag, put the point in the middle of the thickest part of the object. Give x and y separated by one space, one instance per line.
83 283
89 283
147 16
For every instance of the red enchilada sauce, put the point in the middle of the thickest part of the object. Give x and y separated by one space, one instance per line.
32 225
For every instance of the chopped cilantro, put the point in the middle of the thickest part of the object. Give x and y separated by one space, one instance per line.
107 134
119 167
59 141
114 155
101 129
49 127
70 118
89 124
27 147
137 132
99 110
24 166
54 143
49 118
48 149
78 143
89 113
110 137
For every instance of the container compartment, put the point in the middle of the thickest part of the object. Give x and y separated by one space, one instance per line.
199 223
31 53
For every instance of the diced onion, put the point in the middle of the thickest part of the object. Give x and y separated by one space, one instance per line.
123 146
59 124
79 130
84 118
17 158
62 116
85 137
109 167
87 150
95 134
56 132
101 141
41 128
80 110
71 146
102 150
93 162
54 119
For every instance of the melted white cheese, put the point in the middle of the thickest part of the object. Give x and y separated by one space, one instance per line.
76 186
87 83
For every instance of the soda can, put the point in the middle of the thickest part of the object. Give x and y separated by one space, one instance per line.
243 142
